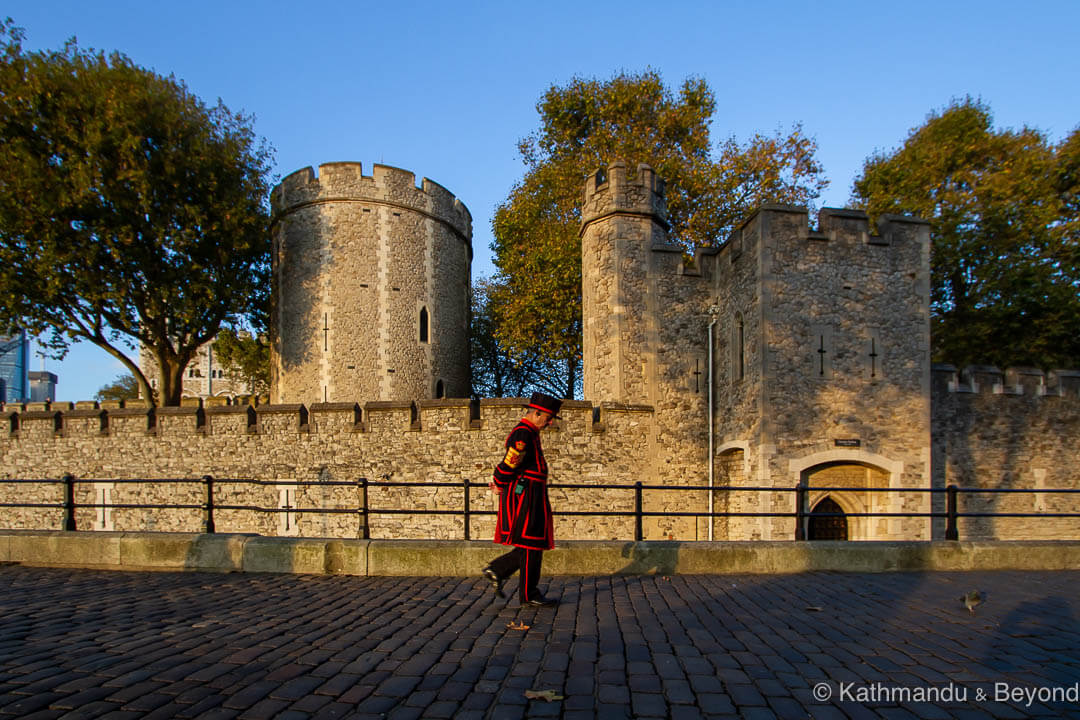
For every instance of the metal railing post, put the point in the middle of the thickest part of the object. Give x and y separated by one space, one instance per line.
467 535
638 534
800 512
69 502
366 532
208 480
951 531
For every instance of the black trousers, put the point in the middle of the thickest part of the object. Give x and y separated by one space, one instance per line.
528 562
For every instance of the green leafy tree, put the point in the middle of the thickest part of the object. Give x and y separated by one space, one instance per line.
536 301
130 212
246 357
124 387
495 371
1003 211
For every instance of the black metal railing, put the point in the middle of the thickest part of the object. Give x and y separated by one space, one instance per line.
363 509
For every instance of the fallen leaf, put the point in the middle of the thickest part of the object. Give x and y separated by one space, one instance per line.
517 626
545 695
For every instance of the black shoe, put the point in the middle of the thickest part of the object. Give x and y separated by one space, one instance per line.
540 601
495 580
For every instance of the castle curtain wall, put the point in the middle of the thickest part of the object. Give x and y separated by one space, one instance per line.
820 371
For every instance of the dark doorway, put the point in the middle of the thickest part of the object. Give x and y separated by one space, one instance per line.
827 528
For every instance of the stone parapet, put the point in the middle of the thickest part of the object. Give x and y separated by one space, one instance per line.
1015 381
344 181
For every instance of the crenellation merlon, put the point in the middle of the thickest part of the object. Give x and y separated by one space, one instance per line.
1014 381
345 181
180 421
1063 383
430 416
85 421
231 419
611 191
834 225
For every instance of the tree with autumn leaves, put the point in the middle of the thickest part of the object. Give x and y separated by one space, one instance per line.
1004 213
535 296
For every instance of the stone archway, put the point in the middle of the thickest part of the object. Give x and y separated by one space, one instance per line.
855 472
845 484
827 521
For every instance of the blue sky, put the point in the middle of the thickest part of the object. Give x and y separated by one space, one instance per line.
446 90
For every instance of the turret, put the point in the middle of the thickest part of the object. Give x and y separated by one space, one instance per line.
370 287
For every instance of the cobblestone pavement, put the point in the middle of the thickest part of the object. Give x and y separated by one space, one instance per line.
87 644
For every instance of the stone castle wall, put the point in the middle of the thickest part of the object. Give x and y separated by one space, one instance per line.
775 295
371 277
820 359
739 366
305 448
991 429
847 360
1015 430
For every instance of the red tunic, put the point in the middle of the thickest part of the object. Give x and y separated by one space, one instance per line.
524 517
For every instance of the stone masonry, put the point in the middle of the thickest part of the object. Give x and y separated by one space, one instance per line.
371 287
820 351
813 343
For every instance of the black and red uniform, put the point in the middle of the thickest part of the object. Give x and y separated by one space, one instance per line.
524 517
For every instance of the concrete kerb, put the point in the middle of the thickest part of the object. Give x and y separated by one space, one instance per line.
253 553
66 549
306 556
180 551
430 557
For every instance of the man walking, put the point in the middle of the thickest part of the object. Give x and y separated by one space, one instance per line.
524 516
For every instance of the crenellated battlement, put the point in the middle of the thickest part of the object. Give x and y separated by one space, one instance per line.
64 420
612 191
346 182
837 225
1016 381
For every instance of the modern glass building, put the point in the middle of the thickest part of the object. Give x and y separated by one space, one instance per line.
14 367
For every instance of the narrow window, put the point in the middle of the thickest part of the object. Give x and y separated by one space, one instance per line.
423 325
440 390
874 360
742 349
738 349
821 351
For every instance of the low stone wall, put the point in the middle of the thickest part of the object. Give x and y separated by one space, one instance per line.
447 558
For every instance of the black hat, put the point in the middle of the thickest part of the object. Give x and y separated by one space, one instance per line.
545 403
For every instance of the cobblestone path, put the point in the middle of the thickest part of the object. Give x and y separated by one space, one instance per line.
87 644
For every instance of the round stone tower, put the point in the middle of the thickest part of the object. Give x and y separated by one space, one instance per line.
370 287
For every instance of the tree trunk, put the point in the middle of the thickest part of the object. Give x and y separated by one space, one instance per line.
171 376
571 378
136 371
